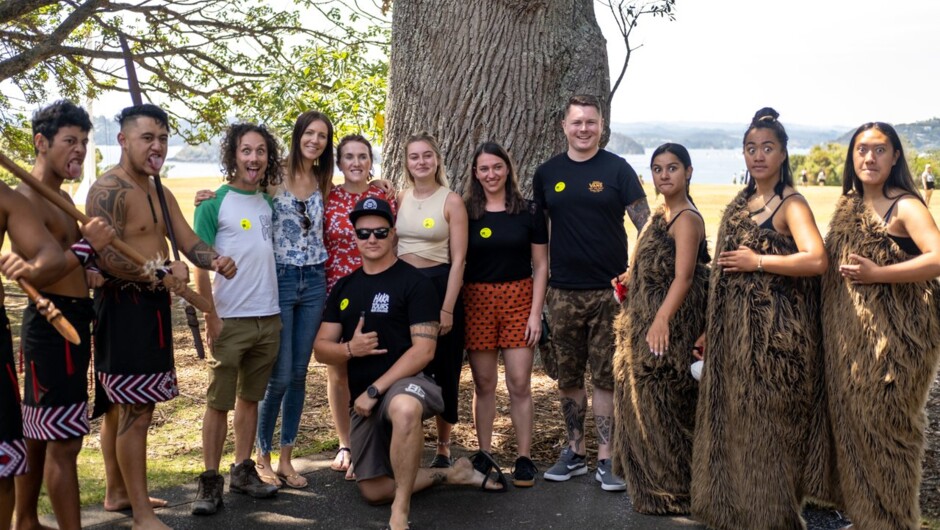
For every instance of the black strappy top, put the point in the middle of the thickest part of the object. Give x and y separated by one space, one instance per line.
768 224
904 243
703 256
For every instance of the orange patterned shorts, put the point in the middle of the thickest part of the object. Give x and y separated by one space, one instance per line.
496 314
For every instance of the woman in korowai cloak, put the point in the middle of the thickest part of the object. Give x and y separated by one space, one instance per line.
756 422
664 312
881 331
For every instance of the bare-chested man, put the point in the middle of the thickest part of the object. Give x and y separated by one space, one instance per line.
46 263
55 402
133 337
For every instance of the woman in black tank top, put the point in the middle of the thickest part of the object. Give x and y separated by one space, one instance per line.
760 378
655 394
881 331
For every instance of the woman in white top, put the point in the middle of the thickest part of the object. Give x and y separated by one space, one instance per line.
432 236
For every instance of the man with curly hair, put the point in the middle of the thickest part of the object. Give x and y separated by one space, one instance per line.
243 332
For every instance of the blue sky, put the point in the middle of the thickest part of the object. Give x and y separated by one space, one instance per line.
818 62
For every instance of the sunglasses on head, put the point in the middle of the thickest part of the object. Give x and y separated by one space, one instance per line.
379 233
305 221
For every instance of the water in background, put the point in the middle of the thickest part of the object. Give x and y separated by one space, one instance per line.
712 166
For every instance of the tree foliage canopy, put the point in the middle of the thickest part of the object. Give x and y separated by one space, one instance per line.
207 60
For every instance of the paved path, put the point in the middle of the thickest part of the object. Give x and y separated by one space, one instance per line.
332 503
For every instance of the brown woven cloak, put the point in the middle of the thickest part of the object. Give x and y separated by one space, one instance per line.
655 397
881 344
755 415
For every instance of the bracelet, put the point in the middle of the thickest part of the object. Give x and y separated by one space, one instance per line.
446 311
348 350
760 263
83 251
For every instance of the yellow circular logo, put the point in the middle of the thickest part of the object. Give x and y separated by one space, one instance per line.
560 187
344 304
429 223
246 224
485 233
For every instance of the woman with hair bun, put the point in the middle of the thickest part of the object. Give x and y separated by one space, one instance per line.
756 418
881 331
663 315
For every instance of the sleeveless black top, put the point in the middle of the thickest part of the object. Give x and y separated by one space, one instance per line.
904 243
768 224
703 256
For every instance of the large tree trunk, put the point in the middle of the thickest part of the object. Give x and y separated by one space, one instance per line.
471 71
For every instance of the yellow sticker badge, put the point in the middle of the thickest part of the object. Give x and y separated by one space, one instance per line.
246 224
485 233
428 223
344 303
560 187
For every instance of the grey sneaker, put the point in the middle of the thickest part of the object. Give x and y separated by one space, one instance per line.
245 480
208 493
609 481
569 464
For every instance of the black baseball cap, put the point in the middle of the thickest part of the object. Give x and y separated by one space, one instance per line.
372 206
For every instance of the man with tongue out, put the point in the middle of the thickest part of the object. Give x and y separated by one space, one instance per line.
244 331
56 383
133 335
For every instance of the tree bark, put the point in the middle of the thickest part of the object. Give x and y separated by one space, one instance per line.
502 70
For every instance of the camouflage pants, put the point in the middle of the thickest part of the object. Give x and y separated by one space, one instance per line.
582 328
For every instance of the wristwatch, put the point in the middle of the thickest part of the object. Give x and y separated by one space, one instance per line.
373 392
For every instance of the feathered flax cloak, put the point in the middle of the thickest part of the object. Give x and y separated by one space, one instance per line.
655 397
761 377
881 344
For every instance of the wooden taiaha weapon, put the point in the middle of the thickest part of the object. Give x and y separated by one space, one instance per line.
137 98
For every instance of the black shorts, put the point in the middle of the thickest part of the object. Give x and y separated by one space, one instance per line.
930 185
370 437
448 356
12 445
55 402
133 345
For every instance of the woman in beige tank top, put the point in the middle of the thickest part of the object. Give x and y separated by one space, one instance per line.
427 206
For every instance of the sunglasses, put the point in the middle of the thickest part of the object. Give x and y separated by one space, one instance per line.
305 222
379 233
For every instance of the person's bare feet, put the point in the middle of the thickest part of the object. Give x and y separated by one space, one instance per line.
266 471
290 476
120 505
462 473
398 522
350 473
150 523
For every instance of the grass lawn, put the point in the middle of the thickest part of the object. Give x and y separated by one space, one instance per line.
174 453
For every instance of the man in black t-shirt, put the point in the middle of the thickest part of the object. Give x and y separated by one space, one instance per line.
584 191
382 321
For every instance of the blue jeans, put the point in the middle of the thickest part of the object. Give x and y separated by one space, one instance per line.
302 293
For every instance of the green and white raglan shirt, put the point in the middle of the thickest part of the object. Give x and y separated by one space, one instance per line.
238 224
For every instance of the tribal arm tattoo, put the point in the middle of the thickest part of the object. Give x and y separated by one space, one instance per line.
574 413
108 199
603 424
201 255
639 213
425 330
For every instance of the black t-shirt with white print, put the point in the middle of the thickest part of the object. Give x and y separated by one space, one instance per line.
391 301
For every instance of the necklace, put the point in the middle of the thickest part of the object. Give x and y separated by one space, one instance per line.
153 212
753 213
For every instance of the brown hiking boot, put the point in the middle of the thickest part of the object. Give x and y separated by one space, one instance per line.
209 493
244 479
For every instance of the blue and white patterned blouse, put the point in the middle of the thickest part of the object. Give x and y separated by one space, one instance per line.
292 244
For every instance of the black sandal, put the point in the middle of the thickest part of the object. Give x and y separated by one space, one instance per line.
441 462
486 460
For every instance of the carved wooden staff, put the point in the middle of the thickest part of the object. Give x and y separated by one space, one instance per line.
137 98
52 313
174 284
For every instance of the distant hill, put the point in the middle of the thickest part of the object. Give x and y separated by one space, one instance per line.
923 135
106 130
698 135
623 145
197 153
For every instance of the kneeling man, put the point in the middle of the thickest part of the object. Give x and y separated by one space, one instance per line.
383 321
